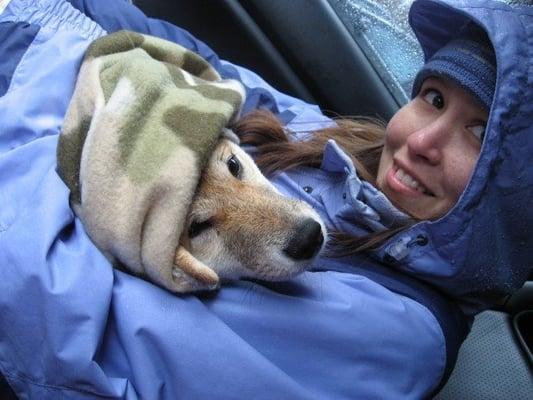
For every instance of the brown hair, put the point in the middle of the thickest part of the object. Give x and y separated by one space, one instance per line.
361 139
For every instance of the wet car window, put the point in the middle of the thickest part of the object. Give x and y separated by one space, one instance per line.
381 29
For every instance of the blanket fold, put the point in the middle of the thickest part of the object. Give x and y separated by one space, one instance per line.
142 123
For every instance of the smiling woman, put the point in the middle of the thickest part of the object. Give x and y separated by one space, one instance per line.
442 206
432 144
428 150
431 147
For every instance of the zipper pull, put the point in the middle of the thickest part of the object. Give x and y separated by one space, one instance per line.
398 250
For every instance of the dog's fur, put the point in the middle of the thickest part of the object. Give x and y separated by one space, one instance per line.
239 226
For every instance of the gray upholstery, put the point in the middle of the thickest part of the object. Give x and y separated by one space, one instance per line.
491 365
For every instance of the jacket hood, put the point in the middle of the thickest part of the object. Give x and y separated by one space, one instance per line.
482 250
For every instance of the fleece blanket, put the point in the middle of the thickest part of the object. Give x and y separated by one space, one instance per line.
143 120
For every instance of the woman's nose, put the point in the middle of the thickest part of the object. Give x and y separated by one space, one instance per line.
427 142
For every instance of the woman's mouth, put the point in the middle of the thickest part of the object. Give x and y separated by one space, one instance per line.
401 181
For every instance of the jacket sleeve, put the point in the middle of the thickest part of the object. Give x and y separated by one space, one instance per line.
72 327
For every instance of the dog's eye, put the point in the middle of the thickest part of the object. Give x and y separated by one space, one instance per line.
234 166
198 227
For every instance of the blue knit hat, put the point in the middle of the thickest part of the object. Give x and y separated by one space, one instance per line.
469 61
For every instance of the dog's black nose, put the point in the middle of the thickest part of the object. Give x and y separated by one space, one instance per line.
306 241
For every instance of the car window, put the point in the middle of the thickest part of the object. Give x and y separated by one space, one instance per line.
381 29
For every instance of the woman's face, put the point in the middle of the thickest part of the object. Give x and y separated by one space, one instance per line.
431 147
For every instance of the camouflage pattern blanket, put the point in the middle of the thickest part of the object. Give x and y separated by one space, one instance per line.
143 120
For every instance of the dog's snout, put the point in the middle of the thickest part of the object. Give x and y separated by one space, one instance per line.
306 241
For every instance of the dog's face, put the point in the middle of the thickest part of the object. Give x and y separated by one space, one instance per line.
240 226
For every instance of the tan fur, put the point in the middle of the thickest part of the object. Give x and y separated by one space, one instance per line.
251 224
195 268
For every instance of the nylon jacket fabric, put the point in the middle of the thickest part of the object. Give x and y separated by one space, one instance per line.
73 327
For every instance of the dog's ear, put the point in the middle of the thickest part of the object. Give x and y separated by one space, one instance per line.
230 135
190 274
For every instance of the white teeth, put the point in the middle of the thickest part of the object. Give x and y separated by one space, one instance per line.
408 180
400 174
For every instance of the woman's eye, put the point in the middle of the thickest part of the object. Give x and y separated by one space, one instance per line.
234 166
434 97
478 131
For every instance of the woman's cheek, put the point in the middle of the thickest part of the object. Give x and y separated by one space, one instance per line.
460 171
392 134
399 127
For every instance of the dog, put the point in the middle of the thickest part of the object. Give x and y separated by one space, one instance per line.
240 226
158 180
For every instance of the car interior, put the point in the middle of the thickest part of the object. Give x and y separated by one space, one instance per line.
302 47
294 55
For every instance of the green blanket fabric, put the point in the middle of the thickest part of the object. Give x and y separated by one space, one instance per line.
144 118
